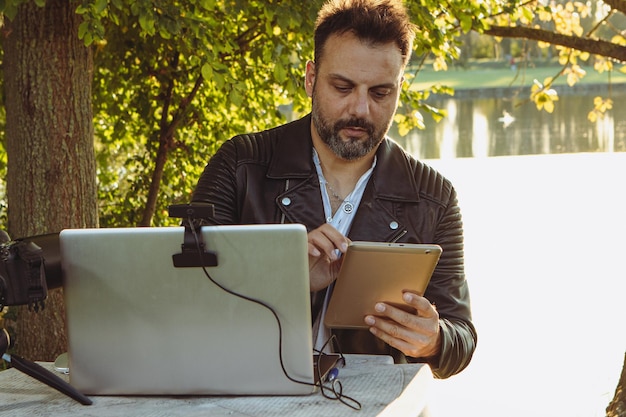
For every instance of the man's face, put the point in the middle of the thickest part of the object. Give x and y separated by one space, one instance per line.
354 92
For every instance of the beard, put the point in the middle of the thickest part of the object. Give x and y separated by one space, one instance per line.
350 148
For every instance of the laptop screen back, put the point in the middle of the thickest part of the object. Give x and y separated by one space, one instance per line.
139 325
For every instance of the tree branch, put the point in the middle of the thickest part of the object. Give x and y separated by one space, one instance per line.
593 46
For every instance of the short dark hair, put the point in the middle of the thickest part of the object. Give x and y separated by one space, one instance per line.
375 21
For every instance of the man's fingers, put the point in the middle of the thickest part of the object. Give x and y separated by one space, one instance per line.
422 305
416 334
327 240
313 251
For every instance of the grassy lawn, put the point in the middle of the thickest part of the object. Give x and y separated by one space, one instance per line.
501 75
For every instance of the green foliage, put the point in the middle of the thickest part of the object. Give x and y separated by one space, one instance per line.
246 57
173 79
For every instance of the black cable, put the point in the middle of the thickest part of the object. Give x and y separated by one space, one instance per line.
336 387
258 302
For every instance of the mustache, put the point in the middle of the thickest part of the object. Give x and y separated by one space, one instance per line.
355 122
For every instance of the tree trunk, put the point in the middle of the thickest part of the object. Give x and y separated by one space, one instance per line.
51 181
617 407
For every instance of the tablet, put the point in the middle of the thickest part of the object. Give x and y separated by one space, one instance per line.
372 272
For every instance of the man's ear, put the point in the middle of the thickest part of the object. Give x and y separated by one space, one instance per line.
309 78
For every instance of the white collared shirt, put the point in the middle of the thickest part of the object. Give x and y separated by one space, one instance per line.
342 221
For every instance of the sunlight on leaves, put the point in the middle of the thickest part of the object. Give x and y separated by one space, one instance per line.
602 64
574 74
601 106
407 123
440 64
619 39
542 96
544 14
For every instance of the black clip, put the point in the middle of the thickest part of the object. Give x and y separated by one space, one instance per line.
193 252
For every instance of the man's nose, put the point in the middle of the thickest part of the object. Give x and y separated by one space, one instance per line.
359 105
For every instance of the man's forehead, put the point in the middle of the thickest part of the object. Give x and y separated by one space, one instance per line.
347 50
350 59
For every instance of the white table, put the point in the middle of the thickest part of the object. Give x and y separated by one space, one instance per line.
383 389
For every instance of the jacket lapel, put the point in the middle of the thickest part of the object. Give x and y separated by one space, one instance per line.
292 161
392 185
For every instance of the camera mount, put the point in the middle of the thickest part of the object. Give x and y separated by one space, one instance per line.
193 252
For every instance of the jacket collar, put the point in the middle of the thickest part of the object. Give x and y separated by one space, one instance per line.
293 155
392 178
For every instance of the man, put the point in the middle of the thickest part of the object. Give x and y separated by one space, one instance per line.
337 173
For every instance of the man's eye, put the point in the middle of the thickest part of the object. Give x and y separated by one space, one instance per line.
381 93
343 89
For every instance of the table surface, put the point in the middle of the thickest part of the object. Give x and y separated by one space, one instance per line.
383 389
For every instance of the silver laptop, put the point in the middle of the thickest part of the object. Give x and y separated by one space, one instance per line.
139 325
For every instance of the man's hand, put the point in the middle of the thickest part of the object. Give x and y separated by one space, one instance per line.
415 335
324 261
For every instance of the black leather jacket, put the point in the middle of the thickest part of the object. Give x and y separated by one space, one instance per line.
269 177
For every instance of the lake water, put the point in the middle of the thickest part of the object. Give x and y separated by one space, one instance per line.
545 259
480 127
